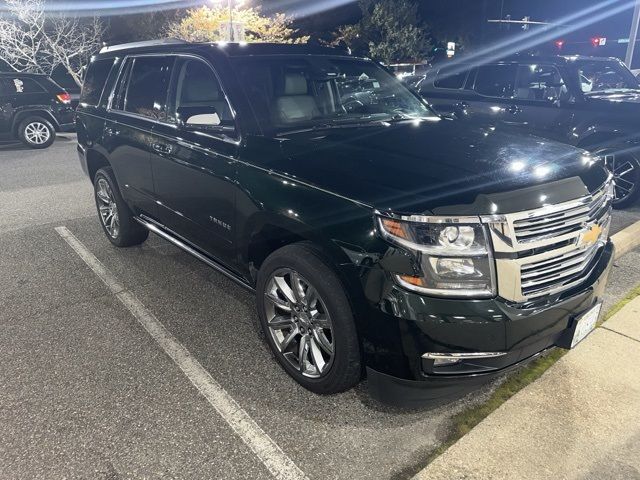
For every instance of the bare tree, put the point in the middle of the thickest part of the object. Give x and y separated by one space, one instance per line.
71 43
22 39
32 41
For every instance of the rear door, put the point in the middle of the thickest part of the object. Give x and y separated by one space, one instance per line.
6 105
194 160
139 102
21 93
444 90
493 87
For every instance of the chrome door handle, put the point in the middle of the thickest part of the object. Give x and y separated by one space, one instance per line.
161 148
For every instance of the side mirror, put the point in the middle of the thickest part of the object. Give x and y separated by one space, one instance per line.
203 119
198 117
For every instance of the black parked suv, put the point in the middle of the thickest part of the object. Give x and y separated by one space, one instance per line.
380 238
589 102
33 108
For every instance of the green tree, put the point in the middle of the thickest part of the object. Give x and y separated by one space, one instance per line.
205 24
389 31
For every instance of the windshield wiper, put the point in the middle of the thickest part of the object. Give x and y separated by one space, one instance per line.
614 90
334 124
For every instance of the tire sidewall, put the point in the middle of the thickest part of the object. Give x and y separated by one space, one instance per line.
305 260
45 122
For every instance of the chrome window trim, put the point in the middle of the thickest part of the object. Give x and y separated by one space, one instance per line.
177 55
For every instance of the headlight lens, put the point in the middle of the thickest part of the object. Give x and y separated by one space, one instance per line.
454 254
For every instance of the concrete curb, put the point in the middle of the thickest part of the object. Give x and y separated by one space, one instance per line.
626 240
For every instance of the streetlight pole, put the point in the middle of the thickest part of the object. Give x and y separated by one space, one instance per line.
633 35
231 20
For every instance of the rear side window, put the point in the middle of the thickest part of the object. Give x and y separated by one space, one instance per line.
95 80
447 78
17 85
496 80
148 86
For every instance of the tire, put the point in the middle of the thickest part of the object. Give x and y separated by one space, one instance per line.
115 217
625 167
36 132
325 328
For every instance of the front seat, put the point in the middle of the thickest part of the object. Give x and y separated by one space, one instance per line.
200 91
295 104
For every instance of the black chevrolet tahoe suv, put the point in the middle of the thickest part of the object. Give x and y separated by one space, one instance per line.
589 102
33 108
380 238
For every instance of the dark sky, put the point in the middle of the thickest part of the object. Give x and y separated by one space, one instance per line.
467 19
448 19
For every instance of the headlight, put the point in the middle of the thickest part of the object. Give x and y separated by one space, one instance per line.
454 254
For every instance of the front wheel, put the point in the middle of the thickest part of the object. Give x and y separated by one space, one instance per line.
307 319
625 167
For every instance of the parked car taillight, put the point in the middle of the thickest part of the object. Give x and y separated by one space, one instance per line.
64 97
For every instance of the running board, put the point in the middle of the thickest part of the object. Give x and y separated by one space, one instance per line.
183 245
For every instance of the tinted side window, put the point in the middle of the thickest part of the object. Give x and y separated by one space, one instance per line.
540 82
200 99
148 87
95 80
450 79
23 85
496 80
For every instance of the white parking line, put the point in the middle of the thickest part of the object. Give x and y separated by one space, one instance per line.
269 453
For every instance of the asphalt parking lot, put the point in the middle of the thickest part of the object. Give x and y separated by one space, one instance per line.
86 392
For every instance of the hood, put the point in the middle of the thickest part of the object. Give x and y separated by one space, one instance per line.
632 96
621 102
441 167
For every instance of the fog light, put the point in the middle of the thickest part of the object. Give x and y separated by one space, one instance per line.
444 362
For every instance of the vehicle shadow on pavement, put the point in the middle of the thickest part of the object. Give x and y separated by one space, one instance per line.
11 144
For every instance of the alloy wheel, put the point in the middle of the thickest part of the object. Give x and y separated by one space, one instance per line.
108 208
624 167
299 323
37 133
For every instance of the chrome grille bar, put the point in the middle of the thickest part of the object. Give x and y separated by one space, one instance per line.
544 250
550 221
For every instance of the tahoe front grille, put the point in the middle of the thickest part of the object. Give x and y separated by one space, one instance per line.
557 220
558 273
551 249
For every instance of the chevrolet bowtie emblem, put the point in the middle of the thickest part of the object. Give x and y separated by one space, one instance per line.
591 236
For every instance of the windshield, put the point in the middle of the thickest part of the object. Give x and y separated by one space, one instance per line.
289 93
599 76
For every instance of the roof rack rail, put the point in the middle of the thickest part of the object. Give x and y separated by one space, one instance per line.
147 43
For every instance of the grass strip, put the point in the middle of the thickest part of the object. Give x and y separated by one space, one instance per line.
465 420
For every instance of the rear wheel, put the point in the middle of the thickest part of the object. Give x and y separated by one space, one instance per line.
625 167
36 132
307 319
116 218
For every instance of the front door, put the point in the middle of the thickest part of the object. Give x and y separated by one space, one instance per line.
541 102
194 161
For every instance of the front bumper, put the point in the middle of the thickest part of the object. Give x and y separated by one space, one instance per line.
402 326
